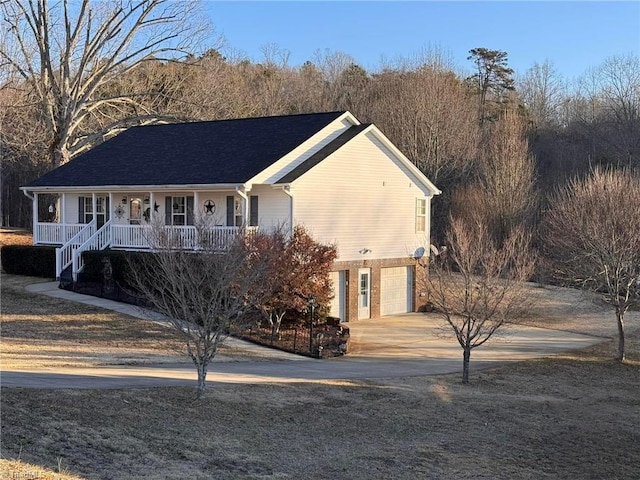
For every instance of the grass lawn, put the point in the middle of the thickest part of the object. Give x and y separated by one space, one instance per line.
575 416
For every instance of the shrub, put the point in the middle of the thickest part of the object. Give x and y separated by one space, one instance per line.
29 260
93 265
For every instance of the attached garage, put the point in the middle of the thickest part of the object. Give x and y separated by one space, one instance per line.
396 290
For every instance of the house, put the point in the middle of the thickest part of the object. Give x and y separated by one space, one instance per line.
341 179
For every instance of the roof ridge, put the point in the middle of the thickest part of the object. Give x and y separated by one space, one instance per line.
194 122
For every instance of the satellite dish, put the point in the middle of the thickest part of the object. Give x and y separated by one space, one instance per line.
419 253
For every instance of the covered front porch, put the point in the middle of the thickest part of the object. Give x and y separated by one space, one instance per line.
131 220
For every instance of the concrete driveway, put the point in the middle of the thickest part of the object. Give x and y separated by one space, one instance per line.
427 337
394 346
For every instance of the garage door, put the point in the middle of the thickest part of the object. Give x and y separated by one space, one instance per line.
396 290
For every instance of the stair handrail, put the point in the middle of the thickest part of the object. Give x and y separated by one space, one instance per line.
100 240
64 254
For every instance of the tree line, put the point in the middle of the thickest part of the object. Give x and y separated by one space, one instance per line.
493 140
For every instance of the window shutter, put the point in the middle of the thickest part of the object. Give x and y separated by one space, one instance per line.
190 202
230 211
167 211
80 209
253 210
107 213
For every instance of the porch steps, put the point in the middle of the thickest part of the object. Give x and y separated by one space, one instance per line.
66 278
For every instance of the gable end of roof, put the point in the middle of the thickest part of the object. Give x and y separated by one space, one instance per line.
323 153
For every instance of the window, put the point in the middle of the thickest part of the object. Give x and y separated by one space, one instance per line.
179 210
421 215
87 210
234 212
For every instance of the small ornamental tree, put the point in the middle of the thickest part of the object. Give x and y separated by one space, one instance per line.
592 237
477 285
202 293
298 269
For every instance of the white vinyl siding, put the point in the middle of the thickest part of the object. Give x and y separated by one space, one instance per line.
362 197
299 154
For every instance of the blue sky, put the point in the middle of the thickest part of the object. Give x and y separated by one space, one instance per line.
573 35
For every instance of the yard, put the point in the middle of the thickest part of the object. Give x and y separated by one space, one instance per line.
572 416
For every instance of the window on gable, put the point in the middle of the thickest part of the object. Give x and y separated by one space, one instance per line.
421 215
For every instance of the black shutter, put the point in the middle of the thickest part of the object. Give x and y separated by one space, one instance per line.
190 202
230 211
80 209
107 213
253 210
167 210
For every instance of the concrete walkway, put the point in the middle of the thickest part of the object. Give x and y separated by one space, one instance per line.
396 346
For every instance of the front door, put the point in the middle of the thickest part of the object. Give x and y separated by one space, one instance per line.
364 293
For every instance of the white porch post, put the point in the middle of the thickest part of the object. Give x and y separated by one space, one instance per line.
152 209
196 210
93 207
108 214
62 215
245 209
36 238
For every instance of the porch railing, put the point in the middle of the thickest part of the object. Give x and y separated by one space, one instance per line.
137 237
189 237
56 233
100 240
64 254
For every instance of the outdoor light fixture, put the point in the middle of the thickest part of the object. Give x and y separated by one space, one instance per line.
124 200
52 208
146 199
364 250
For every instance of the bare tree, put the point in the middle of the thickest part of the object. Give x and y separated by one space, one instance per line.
543 90
67 52
477 286
592 236
506 175
202 293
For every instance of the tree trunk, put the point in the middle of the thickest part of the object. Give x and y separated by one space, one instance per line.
465 364
620 318
202 378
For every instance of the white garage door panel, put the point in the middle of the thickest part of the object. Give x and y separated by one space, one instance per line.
395 290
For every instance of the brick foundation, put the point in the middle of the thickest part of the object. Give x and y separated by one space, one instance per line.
352 287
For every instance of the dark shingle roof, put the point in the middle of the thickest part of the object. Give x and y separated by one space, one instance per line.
323 153
219 152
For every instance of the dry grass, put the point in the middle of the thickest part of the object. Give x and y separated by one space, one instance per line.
571 416
16 469
11 236
41 331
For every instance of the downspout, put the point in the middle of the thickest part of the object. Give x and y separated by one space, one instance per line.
287 189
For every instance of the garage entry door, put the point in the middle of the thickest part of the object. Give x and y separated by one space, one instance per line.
338 304
396 286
